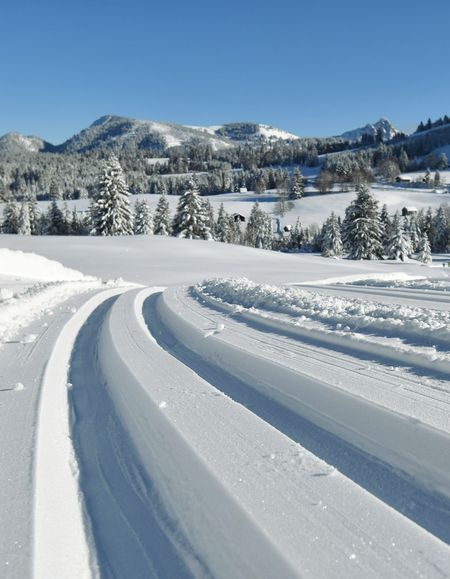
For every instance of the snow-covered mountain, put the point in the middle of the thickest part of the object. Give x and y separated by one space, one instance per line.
383 126
15 143
113 132
248 132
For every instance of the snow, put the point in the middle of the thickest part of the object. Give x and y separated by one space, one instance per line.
232 429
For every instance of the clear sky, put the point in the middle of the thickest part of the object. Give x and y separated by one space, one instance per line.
311 67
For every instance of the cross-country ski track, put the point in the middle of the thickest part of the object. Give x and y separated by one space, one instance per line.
194 440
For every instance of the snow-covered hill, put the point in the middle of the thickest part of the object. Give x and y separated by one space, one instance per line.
15 143
249 132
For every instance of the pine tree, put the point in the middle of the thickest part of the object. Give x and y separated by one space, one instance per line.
143 220
412 228
259 229
296 237
54 193
331 238
111 213
361 227
24 226
222 229
424 254
441 233
34 214
56 223
297 187
191 221
10 223
161 221
399 246
209 213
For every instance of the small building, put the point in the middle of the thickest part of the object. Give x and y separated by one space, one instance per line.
409 211
401 179
243 190
238 218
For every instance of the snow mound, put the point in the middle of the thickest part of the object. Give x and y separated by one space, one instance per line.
417 284
31 265
418 326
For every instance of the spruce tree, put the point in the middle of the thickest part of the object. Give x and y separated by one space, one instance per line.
34 214
297 189
331 238
362 228
424 254
161 220
259 229
399 246
441 231
222 229
56 223
10 223
143 220
191 221
24 226
111 213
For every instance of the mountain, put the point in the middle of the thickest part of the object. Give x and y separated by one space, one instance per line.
15 143
385 127
248 132
113 132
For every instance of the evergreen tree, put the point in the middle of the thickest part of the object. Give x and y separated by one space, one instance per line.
143 221
111 213
56 223
297 189
331 238
161 221
24 226
34 214
412 228
361 227
54 192
222 230
191 221
10 223
399 246
441 233
259 229
296 237
234 231
424 254
437 179
209 213
75 227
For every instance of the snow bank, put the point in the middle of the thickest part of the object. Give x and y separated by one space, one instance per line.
415 325
442 285
31 265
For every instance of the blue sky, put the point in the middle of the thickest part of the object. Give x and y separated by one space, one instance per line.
314 68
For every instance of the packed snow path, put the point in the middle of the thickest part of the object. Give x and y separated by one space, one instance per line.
179 478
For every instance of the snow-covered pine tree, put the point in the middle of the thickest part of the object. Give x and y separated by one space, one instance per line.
222 229
34 214
24 226
361 227
209 214
143 220
234 231
399 246
191 221
297 188
10 222
111 212
424 249
331 238
56 223
259 229
441 231
161 220
412 228
296 237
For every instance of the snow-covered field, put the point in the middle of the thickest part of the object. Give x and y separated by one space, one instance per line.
224 412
